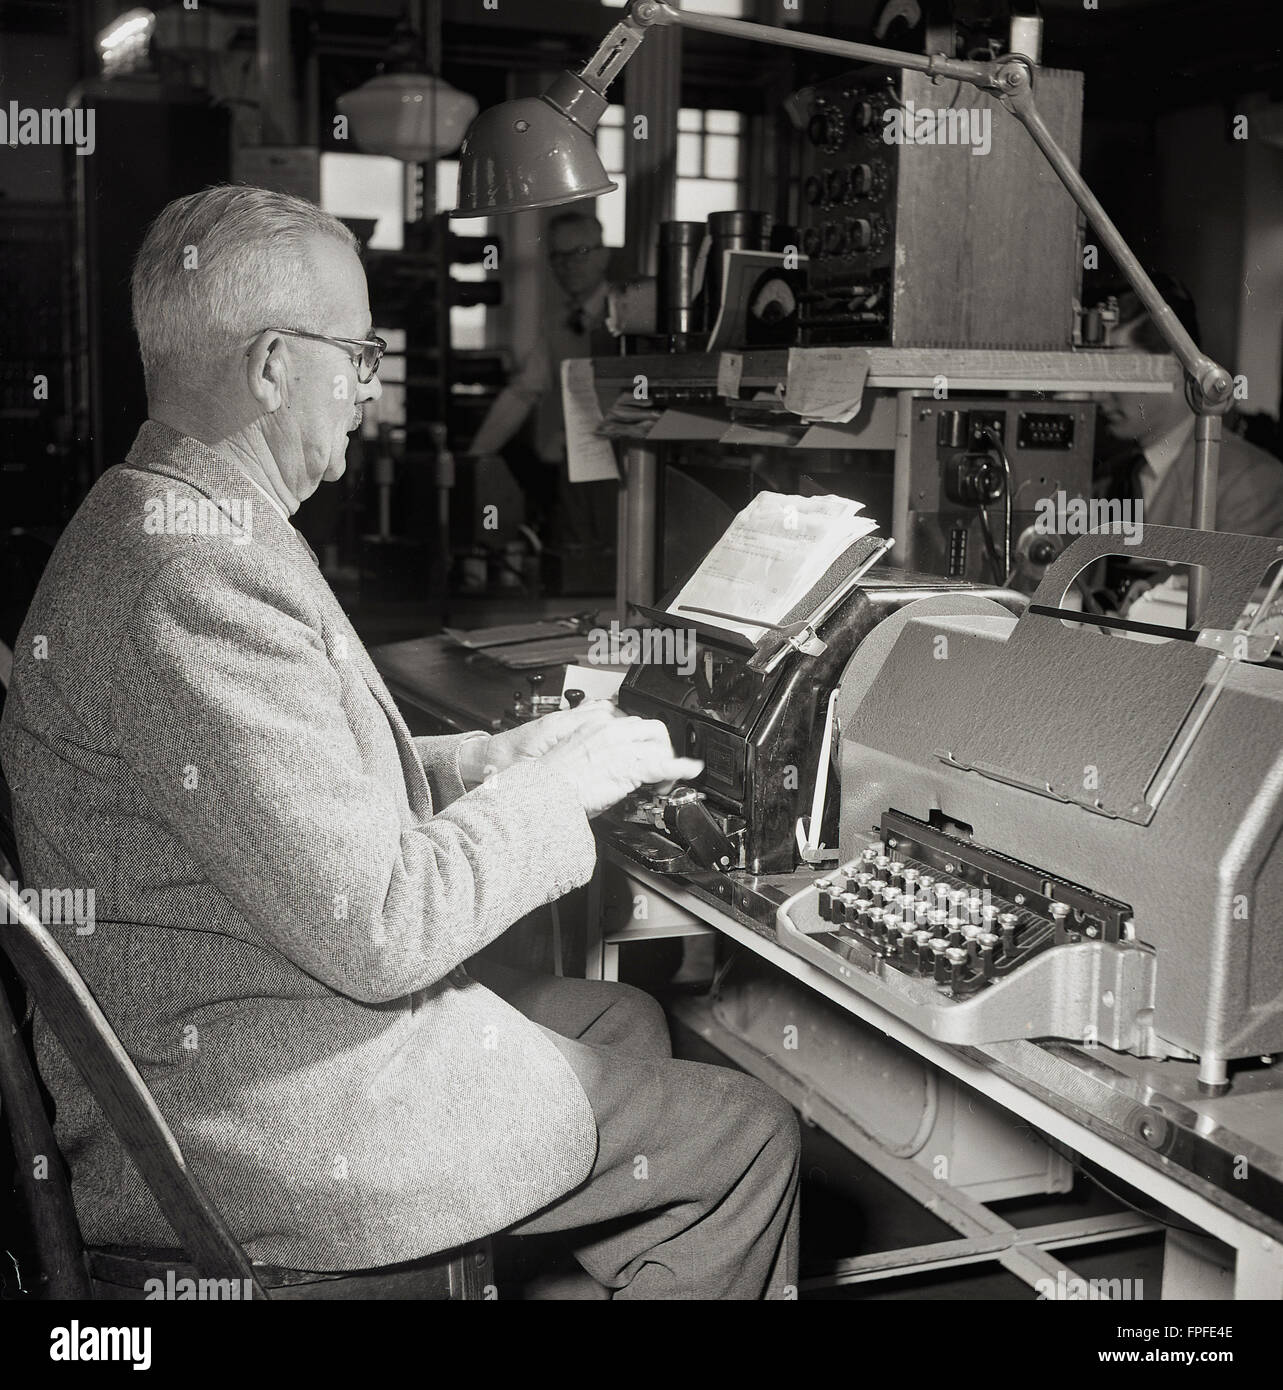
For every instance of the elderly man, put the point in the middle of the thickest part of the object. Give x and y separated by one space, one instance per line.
288 885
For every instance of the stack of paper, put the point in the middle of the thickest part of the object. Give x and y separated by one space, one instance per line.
772 556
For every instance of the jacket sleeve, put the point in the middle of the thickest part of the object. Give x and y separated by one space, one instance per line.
439 758
229 711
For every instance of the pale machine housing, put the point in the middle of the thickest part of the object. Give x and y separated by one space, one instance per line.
1095 820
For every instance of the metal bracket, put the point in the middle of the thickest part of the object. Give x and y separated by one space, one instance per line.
1235 644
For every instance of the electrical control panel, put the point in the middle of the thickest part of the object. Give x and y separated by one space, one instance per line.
930 218
965 454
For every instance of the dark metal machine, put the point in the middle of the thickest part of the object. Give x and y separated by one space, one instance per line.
759 732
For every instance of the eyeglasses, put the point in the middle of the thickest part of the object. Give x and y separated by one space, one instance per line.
576 253
366 357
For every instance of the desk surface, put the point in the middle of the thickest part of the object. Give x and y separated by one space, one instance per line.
1226 1150
458 689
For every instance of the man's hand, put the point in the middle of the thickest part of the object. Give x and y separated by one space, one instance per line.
483 757
608 758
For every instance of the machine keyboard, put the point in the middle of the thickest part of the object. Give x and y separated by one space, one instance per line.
932 904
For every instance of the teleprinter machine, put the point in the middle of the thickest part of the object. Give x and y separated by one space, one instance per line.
756 716
1049 831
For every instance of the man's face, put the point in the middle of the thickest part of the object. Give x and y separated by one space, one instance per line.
321 396
577 257
1140 418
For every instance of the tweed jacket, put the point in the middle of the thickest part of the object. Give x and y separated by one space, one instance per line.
286 885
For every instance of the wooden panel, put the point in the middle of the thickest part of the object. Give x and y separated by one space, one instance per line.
987 243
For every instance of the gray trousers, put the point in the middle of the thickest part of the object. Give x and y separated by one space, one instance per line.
693 1194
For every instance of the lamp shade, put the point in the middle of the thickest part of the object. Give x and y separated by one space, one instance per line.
409 115
535 152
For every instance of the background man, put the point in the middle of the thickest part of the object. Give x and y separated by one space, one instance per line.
1154 436
288 885
575 516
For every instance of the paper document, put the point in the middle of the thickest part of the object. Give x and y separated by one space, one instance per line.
597 682
825 383
589 457
772 556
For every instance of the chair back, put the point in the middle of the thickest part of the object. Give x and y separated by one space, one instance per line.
73 1014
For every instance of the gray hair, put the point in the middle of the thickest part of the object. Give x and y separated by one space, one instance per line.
218 266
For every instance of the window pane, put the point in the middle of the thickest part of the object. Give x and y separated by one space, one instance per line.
724 122
696 198
721 156
689 150
733 9
468 326
610 213
688 119
612 116
610 145
366 185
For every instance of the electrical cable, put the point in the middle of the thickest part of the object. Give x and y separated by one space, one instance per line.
1079 1165
994 561
997 447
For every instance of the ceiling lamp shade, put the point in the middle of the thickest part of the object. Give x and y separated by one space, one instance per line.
535 152
409 115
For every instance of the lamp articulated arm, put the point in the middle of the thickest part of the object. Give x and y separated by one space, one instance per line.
1011 80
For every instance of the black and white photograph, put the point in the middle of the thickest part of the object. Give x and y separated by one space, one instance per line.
641 658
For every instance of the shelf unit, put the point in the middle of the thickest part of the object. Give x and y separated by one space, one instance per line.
694 395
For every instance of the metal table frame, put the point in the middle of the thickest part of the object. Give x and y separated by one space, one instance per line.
983 1236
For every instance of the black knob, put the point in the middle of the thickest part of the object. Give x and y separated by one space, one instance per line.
811 241
1042 552
825 128
535 681
861 179
574 698
862 115
813 190
837 182
859 233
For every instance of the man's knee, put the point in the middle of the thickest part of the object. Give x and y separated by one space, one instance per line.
759 1110
638 1022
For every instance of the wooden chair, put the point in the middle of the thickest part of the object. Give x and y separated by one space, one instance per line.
209 1250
